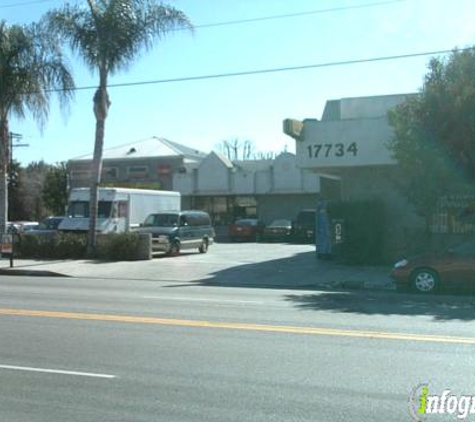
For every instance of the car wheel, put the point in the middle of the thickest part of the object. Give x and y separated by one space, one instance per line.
204 247
174 249
425 280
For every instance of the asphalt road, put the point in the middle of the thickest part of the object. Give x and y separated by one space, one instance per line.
115 350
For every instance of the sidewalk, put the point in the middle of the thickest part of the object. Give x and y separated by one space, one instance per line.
304 273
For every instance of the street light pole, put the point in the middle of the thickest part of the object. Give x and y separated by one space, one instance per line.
17 137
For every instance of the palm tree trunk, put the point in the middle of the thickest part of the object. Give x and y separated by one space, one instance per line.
101 107
4 158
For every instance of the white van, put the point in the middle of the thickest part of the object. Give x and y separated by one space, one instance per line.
119 209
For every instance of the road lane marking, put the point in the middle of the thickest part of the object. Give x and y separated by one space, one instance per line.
56 371
242 302
240 326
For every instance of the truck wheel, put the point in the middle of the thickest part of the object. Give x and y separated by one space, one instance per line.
204 247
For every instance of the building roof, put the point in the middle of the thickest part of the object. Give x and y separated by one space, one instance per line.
147 148
362 107
225 160
253 165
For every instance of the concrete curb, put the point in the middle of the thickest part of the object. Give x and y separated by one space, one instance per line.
31 273
348 285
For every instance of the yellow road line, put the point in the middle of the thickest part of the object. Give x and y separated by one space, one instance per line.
239 326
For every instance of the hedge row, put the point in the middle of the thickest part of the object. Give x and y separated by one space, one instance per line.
113 247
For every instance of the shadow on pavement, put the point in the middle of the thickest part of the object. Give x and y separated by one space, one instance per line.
329 283
299 271
441 307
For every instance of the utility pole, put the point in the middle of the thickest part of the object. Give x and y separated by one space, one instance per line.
17 137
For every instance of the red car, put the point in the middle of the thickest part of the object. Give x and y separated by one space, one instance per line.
246 229
454 268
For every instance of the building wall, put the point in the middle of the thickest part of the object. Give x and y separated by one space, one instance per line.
310 182
243 181
184 183
364 107
156 172
287 176
213 175
263 181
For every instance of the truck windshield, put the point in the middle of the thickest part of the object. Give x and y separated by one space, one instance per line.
80 209
162 220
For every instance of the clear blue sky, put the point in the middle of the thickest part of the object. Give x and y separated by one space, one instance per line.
203 113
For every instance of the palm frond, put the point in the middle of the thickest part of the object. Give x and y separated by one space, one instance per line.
32 67
110 34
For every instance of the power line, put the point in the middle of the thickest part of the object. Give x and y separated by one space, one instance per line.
251 20
25 3
297 14
271 70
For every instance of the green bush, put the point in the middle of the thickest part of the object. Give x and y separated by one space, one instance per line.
58 246
112 247
364 228
118 246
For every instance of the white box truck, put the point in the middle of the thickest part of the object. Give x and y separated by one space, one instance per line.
119 209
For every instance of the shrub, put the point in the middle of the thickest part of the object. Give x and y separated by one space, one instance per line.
118 246
58 246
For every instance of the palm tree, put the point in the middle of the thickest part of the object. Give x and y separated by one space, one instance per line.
109 35
32 68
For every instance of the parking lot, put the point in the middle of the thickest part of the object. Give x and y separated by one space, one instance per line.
277 265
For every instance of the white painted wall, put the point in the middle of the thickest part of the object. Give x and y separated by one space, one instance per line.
213 175
183 183
287 176
243 182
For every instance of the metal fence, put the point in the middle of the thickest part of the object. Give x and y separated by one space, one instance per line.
454 215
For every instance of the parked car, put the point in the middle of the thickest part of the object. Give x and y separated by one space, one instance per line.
246 229
24 226
50 223
304 226
48 227
278 230
175 231
453 268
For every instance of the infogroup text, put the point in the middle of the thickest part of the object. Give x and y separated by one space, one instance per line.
422 404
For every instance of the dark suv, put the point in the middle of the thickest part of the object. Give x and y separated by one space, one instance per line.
304 226
175 231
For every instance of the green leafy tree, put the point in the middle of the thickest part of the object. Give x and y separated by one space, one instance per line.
31 70
109 35
55 189
16 209
34 176
434 140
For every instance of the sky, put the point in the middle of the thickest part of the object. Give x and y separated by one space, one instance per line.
203 113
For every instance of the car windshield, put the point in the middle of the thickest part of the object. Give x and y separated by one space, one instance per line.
161 220
29 227
467 248
50 224
80 209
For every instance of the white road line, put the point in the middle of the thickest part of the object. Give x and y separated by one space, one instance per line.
56 371
247 302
